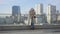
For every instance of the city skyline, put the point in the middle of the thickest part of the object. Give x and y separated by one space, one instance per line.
6 7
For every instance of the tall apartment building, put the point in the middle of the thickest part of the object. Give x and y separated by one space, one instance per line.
51 13
39 9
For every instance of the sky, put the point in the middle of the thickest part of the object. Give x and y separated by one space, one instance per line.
25 5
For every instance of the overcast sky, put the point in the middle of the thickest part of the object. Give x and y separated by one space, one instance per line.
25 5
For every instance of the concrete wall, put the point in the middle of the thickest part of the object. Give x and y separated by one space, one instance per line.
29 27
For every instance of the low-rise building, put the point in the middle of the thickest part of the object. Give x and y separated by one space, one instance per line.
58 18
2 21
9 20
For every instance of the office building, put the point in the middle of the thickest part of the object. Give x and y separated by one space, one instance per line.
51 13
40 16
9 20
2 21
15 10
16 13
41 19
58 17
39 9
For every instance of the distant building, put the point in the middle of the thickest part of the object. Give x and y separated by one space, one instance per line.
2 21
24 17
39 9
15 10
58 18
16 13
40 16
57 12
41 19
51 13
58 15
9 20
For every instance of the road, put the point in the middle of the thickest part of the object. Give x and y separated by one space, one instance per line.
41 31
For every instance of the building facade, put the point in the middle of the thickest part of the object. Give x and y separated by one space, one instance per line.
39 9
58 17
9 20
41 19
51 13
40 16
16 13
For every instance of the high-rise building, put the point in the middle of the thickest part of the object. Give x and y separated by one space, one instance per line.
40 16
51 13
16 13
39 9
15 10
